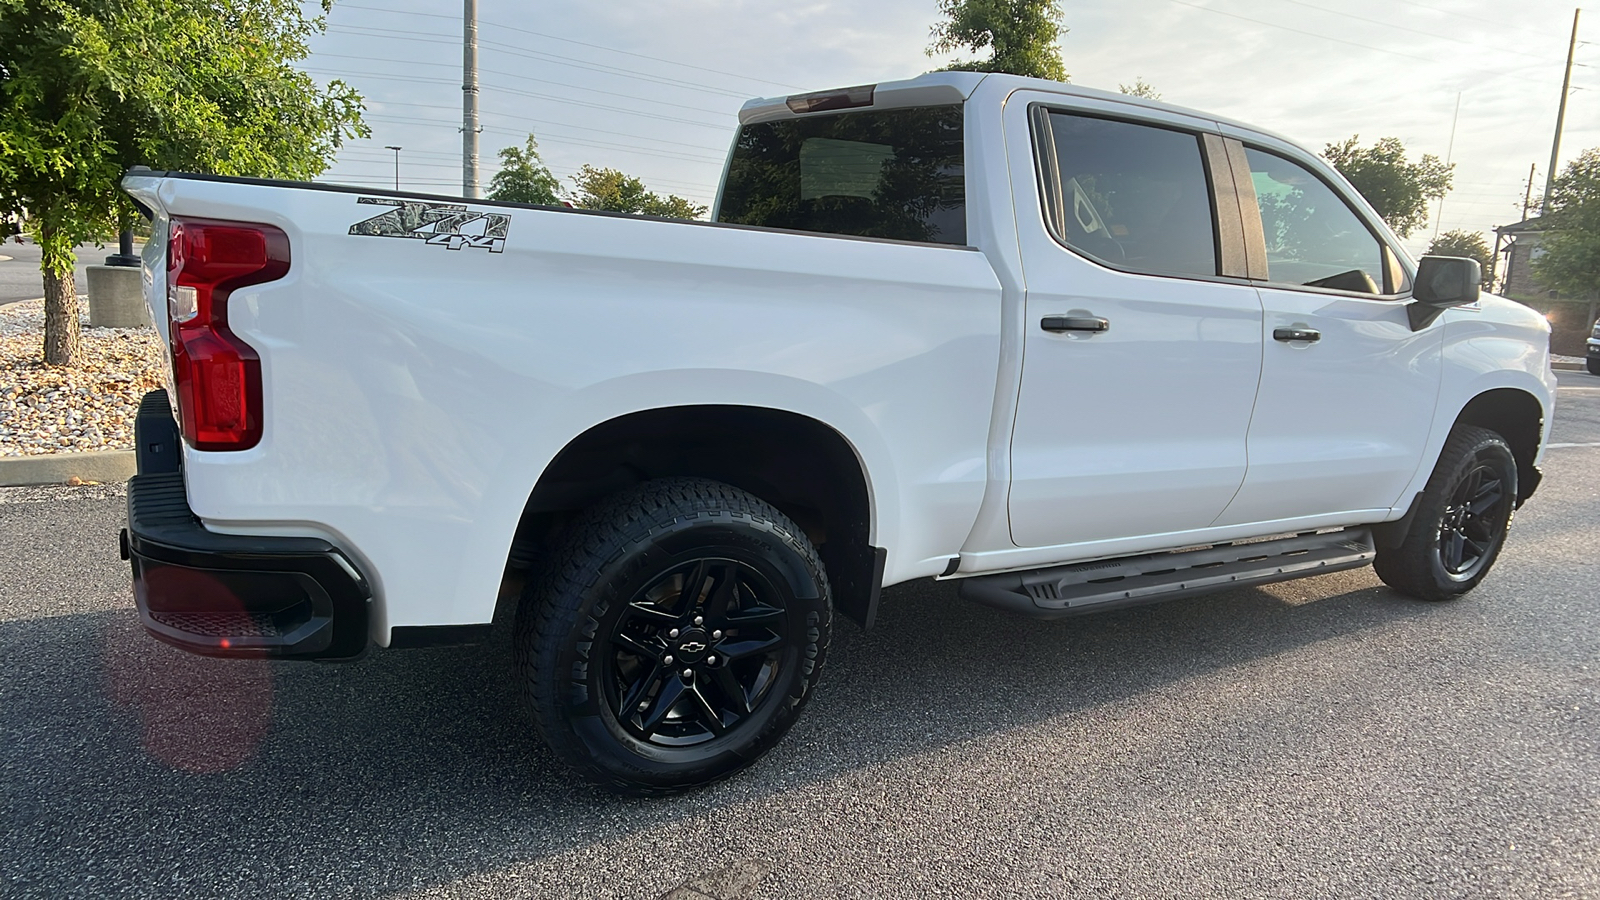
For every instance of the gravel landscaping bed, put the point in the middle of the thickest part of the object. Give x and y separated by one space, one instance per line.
49 409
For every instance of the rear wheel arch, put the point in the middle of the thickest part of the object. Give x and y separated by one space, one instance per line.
804 467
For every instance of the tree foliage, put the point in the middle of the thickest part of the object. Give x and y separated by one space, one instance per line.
90 88
1571 261
524 178
1140 88
1465 244
1398 189
1021 36
612 190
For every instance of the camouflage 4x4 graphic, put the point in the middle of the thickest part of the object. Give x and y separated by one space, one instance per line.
449 225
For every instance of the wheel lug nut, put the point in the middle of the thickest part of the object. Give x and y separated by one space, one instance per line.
699 619
644 707
667 660
673 633
688 673
716 635
711 660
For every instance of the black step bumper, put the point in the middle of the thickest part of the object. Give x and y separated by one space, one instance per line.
225 594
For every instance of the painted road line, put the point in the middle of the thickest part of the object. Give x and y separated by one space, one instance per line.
1565 446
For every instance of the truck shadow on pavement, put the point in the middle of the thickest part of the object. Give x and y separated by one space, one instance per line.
131 766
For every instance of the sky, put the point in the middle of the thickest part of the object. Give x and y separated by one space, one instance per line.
653 88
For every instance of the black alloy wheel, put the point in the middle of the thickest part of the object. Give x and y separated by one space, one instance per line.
1473 524
696 652
675 636
1460 521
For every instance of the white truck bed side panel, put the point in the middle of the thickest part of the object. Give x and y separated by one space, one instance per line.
414 392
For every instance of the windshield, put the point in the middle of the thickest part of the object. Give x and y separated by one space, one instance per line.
896 173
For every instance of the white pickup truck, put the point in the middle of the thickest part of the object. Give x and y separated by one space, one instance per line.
1073 349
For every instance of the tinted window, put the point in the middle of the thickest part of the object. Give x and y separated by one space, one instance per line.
1133 196
896 173
1313 237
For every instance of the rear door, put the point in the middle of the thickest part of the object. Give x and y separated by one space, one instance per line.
1347 388
1142 341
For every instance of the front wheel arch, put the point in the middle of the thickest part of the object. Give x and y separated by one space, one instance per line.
1518 417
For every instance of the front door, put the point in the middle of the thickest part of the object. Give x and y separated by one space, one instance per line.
1141 360
1347 388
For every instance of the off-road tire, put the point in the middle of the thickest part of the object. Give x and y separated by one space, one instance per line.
1593 363
1419 566
578 620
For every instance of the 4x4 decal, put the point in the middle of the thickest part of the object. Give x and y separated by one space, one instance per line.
449 225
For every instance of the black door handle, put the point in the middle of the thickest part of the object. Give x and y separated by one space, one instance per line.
1309 335
1074 323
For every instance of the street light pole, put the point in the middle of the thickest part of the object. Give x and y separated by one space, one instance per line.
396 164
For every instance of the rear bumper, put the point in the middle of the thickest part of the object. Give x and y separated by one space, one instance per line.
225 594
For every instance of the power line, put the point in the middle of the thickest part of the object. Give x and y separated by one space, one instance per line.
397 34
579 87
717 148
1328 37
1498 23
408 120
1432 34
674 184
420 79
580 43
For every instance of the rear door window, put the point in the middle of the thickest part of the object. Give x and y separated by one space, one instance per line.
1129 195
893 173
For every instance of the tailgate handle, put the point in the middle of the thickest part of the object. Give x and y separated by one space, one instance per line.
1074 323
1309 335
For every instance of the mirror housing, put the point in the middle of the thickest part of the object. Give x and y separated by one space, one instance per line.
1441 283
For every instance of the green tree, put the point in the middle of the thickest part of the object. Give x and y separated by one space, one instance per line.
612 190
524 178
1571 261
90 88
1140 88
1021 36
1465 244
1398 189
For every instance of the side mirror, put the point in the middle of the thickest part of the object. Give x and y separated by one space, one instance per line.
1442 282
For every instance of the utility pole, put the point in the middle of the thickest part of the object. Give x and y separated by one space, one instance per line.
469 101
1502 244
1561 117
396 164
1527 198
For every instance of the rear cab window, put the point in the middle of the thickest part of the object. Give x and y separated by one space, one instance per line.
1131 196
898 174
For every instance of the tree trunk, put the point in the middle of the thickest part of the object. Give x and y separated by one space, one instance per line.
60 300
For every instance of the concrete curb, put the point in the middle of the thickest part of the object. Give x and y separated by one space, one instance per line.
1569 367
59 468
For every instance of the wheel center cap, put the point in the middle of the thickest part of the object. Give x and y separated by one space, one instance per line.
692 645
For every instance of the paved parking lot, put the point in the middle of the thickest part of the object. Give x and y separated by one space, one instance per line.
1321 738
19 269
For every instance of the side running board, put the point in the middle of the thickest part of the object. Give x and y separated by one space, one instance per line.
1111 583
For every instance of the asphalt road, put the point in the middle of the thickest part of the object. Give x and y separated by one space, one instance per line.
1320 738
19 275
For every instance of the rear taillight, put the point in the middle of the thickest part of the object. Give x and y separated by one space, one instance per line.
218 376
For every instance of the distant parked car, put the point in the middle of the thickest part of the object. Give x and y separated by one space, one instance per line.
1594 349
